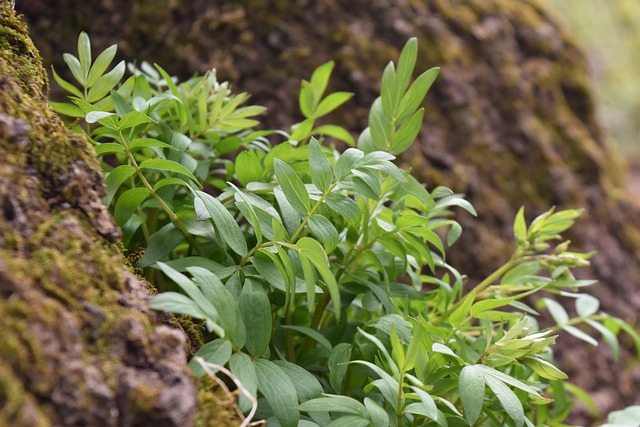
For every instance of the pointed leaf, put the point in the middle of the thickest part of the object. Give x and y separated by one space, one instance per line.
321 173
277 388
325 231
256 314
244 369
471 386
292 187
127 204
217 352
226 226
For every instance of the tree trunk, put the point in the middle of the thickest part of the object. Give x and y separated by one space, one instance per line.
510 120
78 345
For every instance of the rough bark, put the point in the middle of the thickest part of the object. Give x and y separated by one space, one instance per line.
78 345
510 121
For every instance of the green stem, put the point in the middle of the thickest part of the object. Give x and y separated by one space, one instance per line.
515 260
576 321
172 216
312 212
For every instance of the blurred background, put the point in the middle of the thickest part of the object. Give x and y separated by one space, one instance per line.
609 33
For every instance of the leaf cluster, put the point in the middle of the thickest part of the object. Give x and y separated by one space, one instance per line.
321 275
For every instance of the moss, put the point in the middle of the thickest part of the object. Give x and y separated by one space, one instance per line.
216 408
71 323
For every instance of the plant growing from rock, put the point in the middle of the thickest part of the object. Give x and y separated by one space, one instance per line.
321 274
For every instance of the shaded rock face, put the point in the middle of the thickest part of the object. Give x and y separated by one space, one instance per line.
510 120
78 346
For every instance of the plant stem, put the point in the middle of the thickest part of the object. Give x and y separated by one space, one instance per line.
514 261
172 216
312 212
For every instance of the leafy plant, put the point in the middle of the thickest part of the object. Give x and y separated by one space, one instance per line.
322 275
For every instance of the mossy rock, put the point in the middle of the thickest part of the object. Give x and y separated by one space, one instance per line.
79 346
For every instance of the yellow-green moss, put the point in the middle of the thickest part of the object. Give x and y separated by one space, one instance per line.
216 408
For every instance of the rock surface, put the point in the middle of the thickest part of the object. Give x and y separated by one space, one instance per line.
79 346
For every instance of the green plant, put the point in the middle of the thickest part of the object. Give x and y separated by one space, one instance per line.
320 274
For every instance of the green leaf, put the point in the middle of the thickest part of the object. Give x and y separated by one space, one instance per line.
67 109
367 183
94 116
609 337
325 231
627 417
161 244
335 403
75 67
543 368
427 402
127 204
416 93
443 349
256 314
305 99
349 421
310 280
388 93
471 386
508 400
407 133
248 167
319 80
133 119
244 369
311 249
302 130
558 312
346 162
104 84
335 132
292 187
290 216
223 301
377 414
587 305
580 335
406 64
66 85
311 333
196 295
520 227
320 167
462 312
244 204
84 53
338 359
306 385
109 148
182 114
331 102
174 302
226 225
167 166
101 63
217 352
380 126
149 143
277 388
345 207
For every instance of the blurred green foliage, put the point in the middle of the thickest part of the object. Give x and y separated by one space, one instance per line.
609 32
